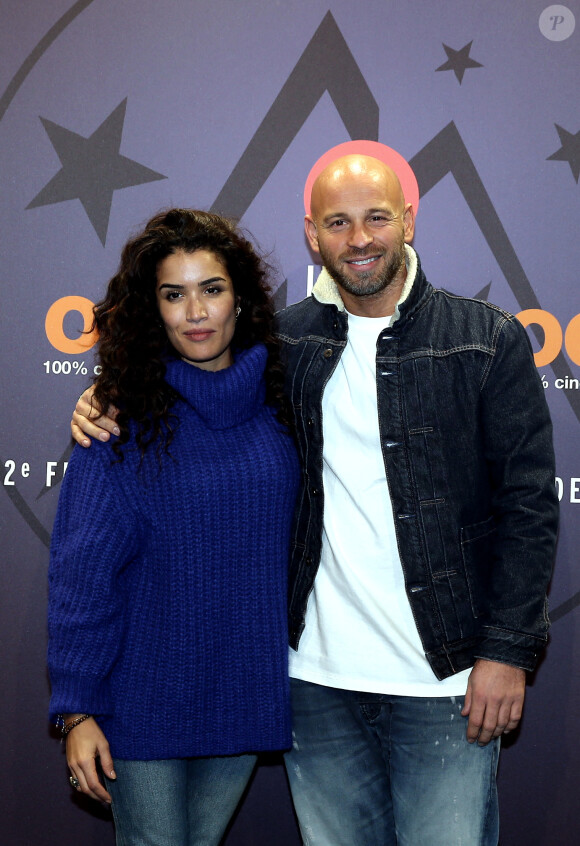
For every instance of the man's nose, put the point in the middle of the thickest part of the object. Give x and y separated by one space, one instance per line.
360 236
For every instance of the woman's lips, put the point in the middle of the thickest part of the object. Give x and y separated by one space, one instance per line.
199 336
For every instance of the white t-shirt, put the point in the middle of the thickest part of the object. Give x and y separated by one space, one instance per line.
360 633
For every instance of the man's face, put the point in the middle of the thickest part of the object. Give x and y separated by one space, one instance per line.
359 226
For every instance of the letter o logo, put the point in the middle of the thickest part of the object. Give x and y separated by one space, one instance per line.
552 334
572 339
54 325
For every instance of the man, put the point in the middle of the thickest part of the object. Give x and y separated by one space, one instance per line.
424 532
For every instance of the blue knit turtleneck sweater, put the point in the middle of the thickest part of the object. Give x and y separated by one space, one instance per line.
167 610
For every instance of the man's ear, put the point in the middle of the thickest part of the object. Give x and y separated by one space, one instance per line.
409 223
311 232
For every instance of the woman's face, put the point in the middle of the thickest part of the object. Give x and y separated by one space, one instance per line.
197 302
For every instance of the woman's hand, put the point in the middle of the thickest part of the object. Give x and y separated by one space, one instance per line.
84 744
87 419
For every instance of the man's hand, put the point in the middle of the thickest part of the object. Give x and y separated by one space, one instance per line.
494 700
87 419
84 744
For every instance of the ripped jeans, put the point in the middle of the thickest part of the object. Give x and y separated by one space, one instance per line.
378 770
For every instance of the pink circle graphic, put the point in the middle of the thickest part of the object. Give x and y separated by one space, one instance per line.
377 150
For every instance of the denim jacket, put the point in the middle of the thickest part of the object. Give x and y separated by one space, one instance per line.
467 449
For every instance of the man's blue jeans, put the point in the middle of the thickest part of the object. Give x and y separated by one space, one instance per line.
376 770
179 802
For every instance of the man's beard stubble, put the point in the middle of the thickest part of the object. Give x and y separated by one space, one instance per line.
366 284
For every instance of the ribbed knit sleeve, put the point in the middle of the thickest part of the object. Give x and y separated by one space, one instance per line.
96 533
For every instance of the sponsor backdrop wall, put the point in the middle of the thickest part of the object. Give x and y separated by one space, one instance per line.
109 111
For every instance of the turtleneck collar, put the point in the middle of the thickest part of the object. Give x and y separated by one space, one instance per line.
224 398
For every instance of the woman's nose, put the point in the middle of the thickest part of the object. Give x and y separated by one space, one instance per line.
196 310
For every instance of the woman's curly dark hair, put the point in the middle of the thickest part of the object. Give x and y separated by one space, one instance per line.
133 344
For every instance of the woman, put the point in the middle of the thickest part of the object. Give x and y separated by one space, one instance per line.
167 611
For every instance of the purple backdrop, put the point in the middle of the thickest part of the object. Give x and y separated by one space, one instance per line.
109 111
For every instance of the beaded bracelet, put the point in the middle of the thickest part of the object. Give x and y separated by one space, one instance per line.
66 727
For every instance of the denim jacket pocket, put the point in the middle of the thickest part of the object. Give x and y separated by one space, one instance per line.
477 549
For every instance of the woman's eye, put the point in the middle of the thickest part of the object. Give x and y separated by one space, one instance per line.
173 295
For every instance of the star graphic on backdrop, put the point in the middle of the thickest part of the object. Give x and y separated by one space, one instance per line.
569 151
92 168
484 293
458 61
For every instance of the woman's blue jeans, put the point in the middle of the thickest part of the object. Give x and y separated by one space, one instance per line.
376 770
178 802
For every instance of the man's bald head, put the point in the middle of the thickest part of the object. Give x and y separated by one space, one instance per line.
350 173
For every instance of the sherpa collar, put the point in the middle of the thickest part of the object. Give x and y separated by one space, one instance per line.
326 290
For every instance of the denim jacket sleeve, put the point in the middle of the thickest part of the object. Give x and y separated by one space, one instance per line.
520 457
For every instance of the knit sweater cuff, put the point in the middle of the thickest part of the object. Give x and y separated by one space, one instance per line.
75 694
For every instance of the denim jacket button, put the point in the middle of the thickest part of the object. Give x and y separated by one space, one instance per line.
327 353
